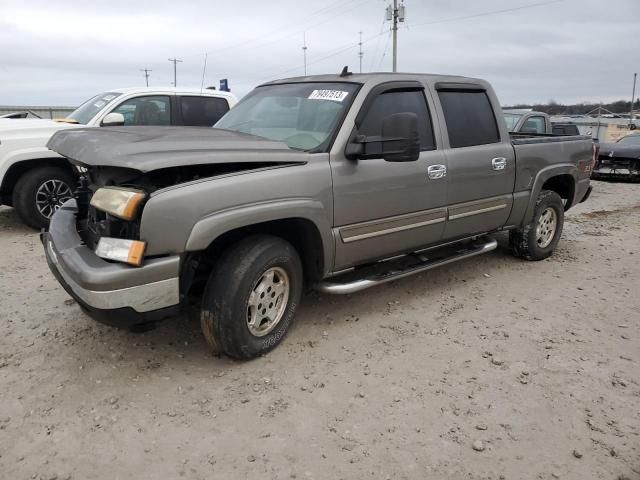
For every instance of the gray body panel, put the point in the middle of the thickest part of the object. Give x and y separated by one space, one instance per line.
364 210
153 148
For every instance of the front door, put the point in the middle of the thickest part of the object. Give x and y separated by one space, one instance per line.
481 164
385 208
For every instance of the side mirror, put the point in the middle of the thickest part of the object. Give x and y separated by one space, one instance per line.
113 119
401 141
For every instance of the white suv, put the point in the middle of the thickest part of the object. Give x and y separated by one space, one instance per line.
36 181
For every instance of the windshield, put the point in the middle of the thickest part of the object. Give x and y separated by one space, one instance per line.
630 140
511 119
91 107
302 115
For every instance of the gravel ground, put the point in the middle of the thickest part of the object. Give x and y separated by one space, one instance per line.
489 368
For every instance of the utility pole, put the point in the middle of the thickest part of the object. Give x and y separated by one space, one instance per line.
175 70
633 99
395 14
146 74
360 53
304 51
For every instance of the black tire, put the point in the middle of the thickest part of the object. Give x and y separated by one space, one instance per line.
225 309
525 242
24 193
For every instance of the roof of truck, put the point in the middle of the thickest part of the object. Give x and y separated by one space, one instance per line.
375 77
173 90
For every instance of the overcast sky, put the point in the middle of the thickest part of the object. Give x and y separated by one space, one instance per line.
64 51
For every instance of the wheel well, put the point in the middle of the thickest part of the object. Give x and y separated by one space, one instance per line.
299 232
563 185
18 169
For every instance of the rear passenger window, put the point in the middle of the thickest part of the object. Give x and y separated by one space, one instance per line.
392 102
202 111
534 125
469 117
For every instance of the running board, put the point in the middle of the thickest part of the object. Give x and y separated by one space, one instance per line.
383 272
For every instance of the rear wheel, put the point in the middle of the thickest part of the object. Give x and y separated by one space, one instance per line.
40 192
538 239
251 297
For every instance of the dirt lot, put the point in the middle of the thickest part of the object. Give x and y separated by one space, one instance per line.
487 369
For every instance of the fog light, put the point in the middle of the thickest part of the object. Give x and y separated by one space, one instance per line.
121 250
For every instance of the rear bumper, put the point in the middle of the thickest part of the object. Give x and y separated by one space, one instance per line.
115 294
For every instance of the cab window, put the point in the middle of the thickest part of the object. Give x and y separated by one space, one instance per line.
202 111
389 103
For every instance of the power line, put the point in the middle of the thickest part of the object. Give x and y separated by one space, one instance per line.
175 70
485 14
146 74
296 25
384 52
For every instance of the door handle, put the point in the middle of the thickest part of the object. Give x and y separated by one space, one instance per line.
436 171
499 163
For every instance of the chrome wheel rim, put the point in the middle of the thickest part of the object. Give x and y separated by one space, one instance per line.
51 195
546 228
268 301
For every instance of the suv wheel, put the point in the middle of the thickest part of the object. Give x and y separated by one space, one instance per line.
251 297
538 239
40 192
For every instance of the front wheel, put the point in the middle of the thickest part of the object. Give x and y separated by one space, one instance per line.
40 192
538 239
251 297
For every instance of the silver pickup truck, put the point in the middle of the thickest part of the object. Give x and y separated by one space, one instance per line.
335 182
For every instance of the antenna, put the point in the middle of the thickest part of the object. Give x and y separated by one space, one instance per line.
304 51
345 71
360 53
146 74
204 69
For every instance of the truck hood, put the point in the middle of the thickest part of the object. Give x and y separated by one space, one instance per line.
31 127
618 150
152 148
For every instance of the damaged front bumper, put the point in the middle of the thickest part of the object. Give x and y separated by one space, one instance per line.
112 293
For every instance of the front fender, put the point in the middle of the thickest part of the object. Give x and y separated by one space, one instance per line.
13 156
211 227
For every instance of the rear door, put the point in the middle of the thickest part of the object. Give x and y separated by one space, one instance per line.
384 208
480 158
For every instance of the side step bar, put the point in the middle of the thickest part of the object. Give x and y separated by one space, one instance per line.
383 272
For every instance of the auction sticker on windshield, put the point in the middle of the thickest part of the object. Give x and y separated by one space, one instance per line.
335 95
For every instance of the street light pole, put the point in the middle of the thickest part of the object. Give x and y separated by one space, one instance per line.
304 51
146 74
394 28
175 70
360 52
633 99
395 14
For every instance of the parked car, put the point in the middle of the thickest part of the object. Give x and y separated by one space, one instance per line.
339 182
619 160
527 121
36 181
22 114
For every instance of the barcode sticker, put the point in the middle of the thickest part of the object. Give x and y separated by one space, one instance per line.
334 95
